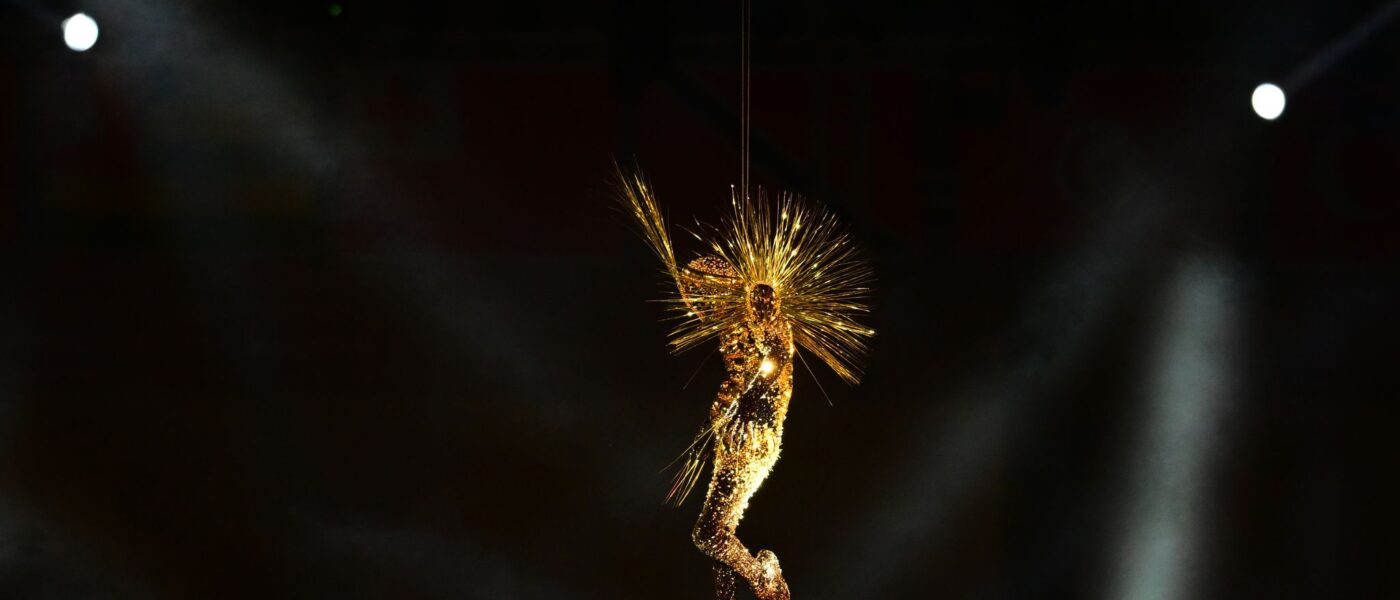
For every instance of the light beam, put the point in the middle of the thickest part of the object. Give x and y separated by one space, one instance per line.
1162 550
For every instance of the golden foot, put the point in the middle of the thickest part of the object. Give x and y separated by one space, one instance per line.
770 585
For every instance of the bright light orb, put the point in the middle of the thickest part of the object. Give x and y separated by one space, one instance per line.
79 32
766 366
1268 101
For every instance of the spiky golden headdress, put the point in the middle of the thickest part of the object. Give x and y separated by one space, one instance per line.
797 249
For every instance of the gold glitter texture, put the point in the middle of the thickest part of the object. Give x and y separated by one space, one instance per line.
777 277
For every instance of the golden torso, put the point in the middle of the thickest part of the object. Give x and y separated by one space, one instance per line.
754 396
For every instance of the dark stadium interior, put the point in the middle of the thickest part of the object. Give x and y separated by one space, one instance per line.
330 300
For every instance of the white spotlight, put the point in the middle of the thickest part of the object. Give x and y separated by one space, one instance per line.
79 32
1268 101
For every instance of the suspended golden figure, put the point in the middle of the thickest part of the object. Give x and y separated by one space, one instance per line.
778 277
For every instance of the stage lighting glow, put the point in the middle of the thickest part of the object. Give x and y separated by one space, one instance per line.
79 32
1168 520
766 366
1268 101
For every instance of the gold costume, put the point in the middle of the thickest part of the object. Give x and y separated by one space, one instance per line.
776 279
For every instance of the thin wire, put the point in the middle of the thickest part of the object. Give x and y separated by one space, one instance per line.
697 368
745 85
814 378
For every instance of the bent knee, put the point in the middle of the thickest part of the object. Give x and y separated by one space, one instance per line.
708 540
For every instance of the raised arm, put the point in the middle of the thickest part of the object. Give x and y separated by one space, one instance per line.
640 203
705 281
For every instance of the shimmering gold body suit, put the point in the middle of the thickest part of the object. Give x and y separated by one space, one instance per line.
777 276
747 420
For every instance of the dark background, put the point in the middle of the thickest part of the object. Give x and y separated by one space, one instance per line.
314 306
